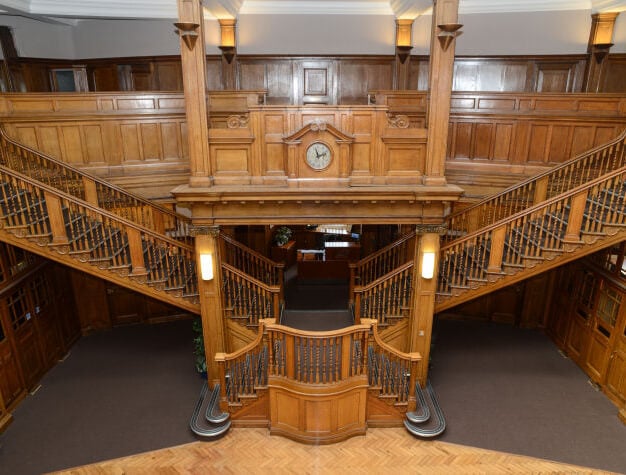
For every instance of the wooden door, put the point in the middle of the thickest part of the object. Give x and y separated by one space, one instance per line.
11 384
45 322
616 375
25 337
603 328
579 332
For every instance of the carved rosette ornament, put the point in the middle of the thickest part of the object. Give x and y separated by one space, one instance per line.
237 121
318 125
398 121
204 230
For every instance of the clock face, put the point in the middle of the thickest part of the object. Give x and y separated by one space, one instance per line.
318 156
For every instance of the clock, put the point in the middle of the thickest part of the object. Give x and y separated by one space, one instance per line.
318 156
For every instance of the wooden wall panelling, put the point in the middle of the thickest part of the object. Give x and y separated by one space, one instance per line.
276 76
615 74
103 78
356 77
316 82
169 76
213 74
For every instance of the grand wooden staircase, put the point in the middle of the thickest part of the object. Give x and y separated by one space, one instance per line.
57 211
566 213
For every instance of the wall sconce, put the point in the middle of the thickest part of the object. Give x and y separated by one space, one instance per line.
404 39
428 265
228 40
206 266
601 34
187 31
449 31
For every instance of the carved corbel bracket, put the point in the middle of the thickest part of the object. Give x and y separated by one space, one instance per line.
187 31
449 31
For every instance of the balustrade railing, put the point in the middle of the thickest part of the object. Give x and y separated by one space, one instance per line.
392 373
386 299
251 262
558 180
97 192
543 231
246 299
382 261
317 358
55 219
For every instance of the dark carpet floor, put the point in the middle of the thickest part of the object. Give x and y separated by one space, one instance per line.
133 389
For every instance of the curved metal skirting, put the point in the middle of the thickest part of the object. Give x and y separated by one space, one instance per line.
440 422
212 423
422 412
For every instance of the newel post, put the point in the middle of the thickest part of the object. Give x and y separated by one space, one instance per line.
425 278
575 219
209 274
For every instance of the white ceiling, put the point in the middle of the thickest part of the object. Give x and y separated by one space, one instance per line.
166 9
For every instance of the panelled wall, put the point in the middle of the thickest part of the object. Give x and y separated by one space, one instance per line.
37 322
495 139
587 319
350 77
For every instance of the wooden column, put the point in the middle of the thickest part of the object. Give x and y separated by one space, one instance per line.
442 45
211 312
423 304
192 52
598 47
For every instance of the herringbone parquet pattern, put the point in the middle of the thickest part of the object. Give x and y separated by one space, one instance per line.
389 451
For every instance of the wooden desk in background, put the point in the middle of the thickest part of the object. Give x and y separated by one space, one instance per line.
330 263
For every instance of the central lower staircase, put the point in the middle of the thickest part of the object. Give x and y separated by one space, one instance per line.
61 213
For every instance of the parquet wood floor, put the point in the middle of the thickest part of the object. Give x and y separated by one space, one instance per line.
389 451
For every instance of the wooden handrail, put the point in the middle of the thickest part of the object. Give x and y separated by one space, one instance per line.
371 268
85 186
39 211
252 262
247 299
558 180
534 234
316 358
391 298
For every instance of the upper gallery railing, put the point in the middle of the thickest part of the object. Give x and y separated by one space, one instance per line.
96 191
558 180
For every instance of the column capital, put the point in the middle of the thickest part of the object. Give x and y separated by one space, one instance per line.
204 230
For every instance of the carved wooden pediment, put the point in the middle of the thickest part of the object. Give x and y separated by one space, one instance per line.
317 127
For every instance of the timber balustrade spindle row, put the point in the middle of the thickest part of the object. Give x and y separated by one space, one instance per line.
554 182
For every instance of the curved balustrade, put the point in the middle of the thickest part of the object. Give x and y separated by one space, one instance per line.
58 221
584 214
96 191
246 299
386 299
317 359
558 180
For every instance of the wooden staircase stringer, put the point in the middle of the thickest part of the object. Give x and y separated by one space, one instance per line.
582 250
55 254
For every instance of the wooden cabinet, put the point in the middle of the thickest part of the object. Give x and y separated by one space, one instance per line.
616 375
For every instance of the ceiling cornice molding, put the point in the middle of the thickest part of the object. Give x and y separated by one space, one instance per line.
410 9
223 9
157 9
504 6
608 5
321 7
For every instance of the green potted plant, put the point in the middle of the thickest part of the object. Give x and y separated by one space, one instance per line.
198 347
282 235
